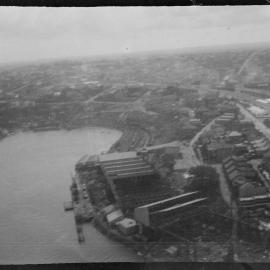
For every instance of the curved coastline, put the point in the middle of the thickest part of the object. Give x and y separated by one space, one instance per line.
32 197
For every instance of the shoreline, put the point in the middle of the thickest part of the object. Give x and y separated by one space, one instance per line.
132 136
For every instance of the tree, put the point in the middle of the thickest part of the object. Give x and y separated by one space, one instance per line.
205 180
168 160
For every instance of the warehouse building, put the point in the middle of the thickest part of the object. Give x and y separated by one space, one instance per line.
162 212
131 179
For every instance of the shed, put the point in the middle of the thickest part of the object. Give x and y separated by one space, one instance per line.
108 209
234 135
114 217
195 121
127 226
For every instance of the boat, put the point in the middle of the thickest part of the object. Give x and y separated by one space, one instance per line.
68 206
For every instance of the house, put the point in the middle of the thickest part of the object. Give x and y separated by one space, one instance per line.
249 173
108 209
266 156
235 137
225 119
238 172
245 125
249 190
235 177
127 226
195 121
217 151
114 217
240 149
261 145
229 114
266 161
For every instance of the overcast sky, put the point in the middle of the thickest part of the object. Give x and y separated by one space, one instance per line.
40 33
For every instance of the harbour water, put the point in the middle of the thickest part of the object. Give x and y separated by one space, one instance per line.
35 173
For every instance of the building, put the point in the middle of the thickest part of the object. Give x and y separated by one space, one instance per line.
130 179
241 174
243 125
127 226
240 149
235 137
258 93
114 217
261 145
216 151
248 190
169 210
195 121
226 119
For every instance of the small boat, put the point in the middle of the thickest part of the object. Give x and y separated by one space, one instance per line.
68 206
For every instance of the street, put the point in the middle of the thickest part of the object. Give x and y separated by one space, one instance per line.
258 124
226 194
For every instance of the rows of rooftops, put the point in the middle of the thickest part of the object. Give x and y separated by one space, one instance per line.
134 183
118 164
232 136
245 176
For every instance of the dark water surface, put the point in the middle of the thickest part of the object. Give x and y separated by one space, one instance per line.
34 182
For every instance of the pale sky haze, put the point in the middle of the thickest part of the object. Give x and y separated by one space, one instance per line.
28 34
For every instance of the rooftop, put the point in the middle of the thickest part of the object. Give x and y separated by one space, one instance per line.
260 140
249 190
117 156
265 101
234 174
168 200
235 134
123 165
214 145
182 205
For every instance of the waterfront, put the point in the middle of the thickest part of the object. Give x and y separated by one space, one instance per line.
35 178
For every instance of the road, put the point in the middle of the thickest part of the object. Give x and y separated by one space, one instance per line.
203 130
223 183
225 192
246 62
257 122
195 138
138 105
91 99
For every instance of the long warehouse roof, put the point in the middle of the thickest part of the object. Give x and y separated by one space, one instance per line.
178 206
122 161
124 165
117 156
184 195
128 172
